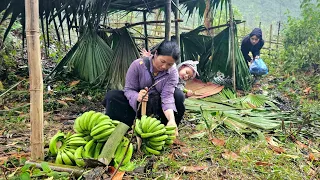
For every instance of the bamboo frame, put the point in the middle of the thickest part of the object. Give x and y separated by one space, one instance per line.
36 81
168 20
177 32
232 47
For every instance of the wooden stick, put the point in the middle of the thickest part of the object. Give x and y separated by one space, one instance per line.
36 81
76 171
144 108
233 60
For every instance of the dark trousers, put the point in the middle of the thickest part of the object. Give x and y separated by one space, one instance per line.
118 107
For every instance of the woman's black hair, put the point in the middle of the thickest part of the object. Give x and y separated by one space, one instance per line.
169 48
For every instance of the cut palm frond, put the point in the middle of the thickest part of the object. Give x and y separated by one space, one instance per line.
87 59
125 51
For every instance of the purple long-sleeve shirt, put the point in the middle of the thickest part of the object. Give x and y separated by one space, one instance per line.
138 78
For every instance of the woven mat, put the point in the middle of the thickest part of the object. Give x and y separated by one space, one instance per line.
201 89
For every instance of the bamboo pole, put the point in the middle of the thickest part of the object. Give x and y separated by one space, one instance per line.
270 39
36 81
145 30
176 14
278 35
168 20
232 46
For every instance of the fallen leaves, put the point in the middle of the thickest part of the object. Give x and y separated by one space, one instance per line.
17 156
274 145
218 142
307 90
192 169
301 145
73 83
229 155
260 163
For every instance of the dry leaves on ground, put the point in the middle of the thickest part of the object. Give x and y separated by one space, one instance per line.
218 142
192 169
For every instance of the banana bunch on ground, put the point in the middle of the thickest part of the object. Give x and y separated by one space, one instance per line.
64 147
154 134
92 131
121 153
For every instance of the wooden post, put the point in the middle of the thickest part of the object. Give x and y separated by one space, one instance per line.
168 20
176 14
36 81
260 24
232 46
278 35
145 30
270 39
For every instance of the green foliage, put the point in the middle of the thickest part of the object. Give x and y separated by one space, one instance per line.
302 39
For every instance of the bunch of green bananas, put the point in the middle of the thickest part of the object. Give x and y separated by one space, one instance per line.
121 153
154 134
84 123
63 146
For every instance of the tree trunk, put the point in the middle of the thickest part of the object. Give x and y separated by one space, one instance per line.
208 19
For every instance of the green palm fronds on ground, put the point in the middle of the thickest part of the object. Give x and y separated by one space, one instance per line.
236 115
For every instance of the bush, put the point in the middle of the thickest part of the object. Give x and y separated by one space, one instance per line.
302 38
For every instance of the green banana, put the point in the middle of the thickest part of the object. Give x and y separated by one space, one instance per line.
94 119
76 125
159 138
158 148
115 122
87 138
152 151
87 148
160 126
103 118
143 123
145 126
128 155
153 125
77 141
137 127
72 150
98 149
88 119
157 133
171 137
70 154
53 142
101 129
170 132
150 122
156 143
169 141
78 157
76 135
59 158
119 152
65 158
82 122
104 134
168 128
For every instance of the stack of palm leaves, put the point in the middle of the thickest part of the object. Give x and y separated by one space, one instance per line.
124 52
244 114
88 58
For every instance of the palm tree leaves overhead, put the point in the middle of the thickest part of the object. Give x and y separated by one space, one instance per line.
191 6
88 58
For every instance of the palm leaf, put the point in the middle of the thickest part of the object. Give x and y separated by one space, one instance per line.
125 51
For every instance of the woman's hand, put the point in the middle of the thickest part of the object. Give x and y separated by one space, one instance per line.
171 119
143 92
145 53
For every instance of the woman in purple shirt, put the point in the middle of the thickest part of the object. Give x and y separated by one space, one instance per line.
165 100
